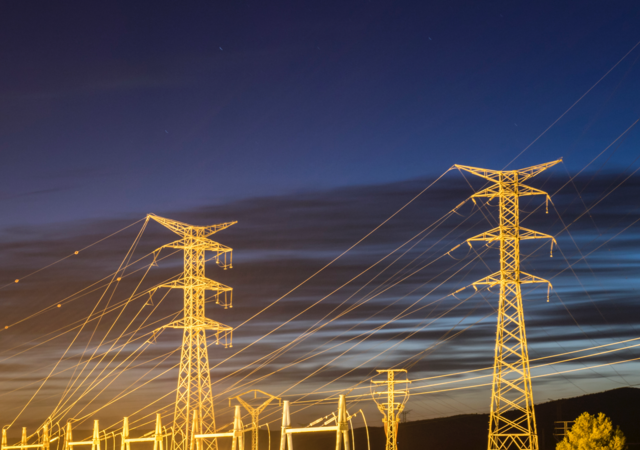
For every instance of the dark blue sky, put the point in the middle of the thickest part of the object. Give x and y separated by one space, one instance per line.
130 107
310 123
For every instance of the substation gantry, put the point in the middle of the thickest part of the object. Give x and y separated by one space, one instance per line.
341 427
198 438
70 444
512 422
194 380
45 439
156 437
389 406
44 444
255 411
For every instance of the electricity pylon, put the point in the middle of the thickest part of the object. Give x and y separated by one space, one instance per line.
391 409
255 411
512 422
194 379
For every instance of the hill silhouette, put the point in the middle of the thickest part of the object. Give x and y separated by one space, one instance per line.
469 431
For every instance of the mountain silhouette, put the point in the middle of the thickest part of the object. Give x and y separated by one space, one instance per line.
469 431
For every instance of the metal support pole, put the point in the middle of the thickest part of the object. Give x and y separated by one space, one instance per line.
342 423
46 438
157 442
286 440
238 432
68 437
124 445
95 442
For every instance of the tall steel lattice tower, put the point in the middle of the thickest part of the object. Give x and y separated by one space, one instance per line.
512 422
194 379
391 408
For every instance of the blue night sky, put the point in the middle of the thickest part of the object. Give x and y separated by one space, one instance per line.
310 123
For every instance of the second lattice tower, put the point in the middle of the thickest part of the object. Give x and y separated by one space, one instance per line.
512 422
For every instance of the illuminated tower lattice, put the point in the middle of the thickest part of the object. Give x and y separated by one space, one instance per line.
391 404
255 411
512 421
194 380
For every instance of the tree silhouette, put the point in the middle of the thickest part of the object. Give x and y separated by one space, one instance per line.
590 432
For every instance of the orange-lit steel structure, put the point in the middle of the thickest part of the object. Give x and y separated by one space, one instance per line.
194 380
390 408
341 427
198 438
255 411
512 422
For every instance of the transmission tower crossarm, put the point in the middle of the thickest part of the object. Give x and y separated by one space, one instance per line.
197 283
200 322
530 172
493 191
183 229
526 233
487 236
490 280
495 279
250 409
487 174
199 243
524 190
213 229
495 177
527 278
490 192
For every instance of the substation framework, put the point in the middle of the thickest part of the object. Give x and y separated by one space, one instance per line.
512 424
199 439
341 427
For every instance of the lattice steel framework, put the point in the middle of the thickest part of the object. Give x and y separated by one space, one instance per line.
512 422
194 380
391 409
255 410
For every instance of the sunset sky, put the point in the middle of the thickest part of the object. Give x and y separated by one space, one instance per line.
311 123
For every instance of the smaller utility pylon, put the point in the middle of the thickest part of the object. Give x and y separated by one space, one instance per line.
390 409
255 411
